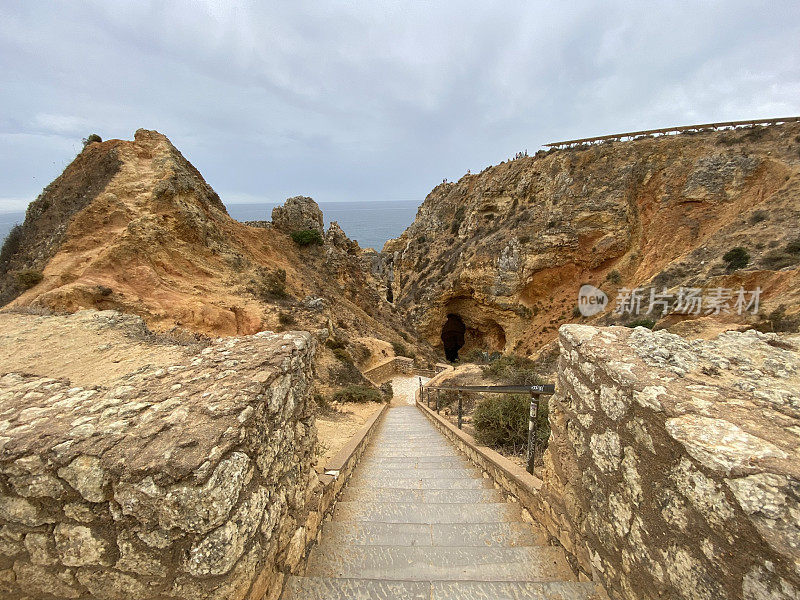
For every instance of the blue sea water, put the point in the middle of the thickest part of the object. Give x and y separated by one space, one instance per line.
371 223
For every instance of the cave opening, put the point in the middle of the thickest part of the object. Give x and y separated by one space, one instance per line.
389 294
453 336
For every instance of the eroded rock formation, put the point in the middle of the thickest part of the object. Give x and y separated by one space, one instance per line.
672 467
506 250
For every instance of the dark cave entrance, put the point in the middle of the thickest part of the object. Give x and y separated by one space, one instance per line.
389 294
453 336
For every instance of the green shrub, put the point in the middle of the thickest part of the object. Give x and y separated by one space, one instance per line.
387 391
502 421
778 259
736 258
28 278
357 393
268 285
307 237
614 276
401 350
649 323
342 355
91 139
511 369
11 246
758 216
778 320
285 318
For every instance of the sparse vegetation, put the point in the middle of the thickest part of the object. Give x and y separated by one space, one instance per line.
28 278
11 245
649 323
285 318
457 219
736 258
342 355
268 285
307 237
387 391
502 421
779 321
357 393
91 139
614 277
758 216
787 257
400 349
511 369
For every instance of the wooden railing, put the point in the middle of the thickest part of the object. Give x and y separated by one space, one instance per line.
667 130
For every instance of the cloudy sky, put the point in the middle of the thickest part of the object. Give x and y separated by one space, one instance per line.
371 100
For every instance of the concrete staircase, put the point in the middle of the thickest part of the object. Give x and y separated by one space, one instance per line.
418 521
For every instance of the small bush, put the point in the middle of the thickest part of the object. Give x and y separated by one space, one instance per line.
322 402
268 285
91 139
387 391
614 277
649 323
401 350
511 369
28 278
334 343
11 246
285 318
357 393
307 237
736 258
342 355
758 216
502 422
778 320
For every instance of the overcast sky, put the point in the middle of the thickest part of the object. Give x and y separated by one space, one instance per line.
371 100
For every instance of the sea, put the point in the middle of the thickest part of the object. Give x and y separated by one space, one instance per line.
370 223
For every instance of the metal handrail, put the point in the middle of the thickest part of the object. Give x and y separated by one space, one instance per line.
535 391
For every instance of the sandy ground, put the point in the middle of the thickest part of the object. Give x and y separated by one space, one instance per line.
334 429
84 348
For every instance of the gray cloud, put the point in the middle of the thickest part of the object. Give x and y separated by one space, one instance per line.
372 100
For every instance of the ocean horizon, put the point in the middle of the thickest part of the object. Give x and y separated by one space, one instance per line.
369 223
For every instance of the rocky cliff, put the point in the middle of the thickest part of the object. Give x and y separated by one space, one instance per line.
133 226
672 470
496 259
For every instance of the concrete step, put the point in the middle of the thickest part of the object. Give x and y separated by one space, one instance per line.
430 496
445 563
430 472
419 482
404 462
484 535
398 512
321 588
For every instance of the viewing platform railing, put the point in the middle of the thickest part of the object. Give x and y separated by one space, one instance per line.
668 130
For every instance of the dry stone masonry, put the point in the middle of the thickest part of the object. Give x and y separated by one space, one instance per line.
190 480
677 462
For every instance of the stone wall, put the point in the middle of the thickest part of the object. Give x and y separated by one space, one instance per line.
389 368
190 480
674 465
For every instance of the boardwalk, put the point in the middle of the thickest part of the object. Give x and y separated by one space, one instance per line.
418 521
